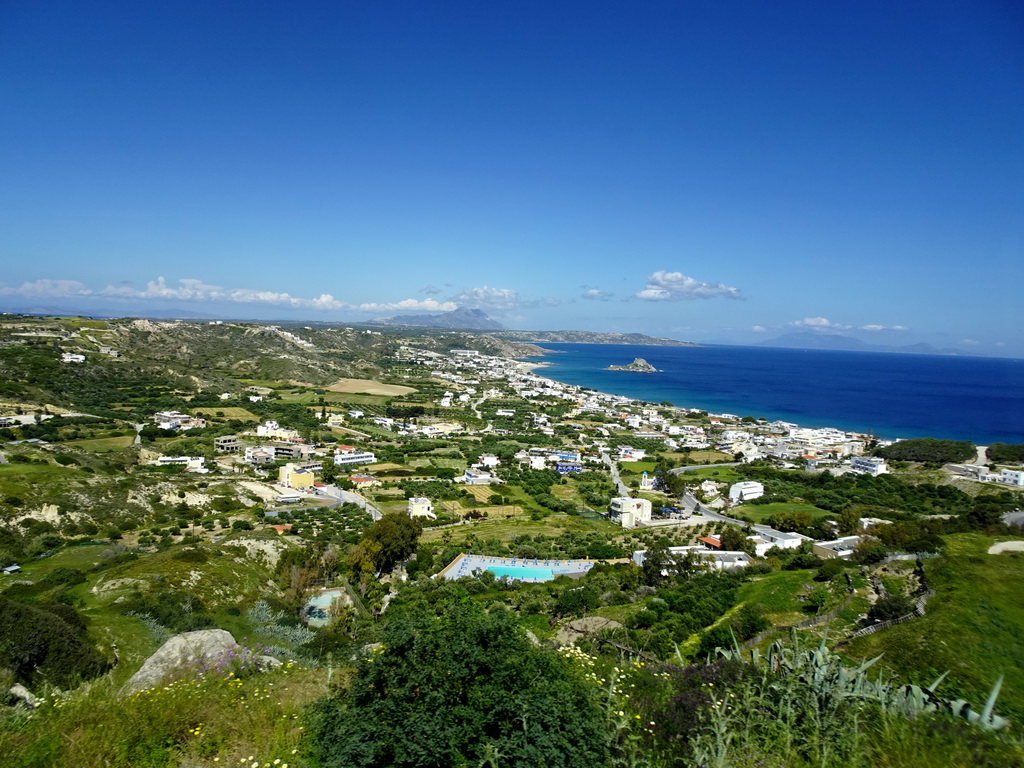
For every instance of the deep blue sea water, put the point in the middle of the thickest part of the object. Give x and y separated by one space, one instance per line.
891 395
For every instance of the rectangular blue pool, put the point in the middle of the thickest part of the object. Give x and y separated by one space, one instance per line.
521 573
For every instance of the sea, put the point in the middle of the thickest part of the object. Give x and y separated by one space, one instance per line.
892 396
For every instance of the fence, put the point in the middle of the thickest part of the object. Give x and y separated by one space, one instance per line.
812 621
907 556
918 611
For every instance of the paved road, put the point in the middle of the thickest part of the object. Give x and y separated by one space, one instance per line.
613 468
351 498
679 470
695 507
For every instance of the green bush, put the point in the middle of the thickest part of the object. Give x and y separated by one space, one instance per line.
40 645
460 690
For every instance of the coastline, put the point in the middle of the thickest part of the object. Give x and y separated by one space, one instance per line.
878 394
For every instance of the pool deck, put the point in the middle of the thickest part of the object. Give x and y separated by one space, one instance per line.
467 564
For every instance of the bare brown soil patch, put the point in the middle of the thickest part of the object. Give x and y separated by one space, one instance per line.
368 387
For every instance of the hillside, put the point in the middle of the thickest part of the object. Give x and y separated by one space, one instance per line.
590 337
125 530
467 319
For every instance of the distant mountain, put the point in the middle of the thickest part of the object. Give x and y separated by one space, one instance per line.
590 337
470 319
106 312
810 340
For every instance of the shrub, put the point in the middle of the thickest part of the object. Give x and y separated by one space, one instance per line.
63 576
38 645
891 607
191 556
460 690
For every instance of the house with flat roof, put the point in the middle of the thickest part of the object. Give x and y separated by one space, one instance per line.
420 506
711 559
346 454
843 547
630 512
293 476
745 491
868 465
227 444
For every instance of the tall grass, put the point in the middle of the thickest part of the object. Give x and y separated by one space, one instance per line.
213 719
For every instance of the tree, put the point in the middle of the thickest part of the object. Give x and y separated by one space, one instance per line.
735 540
891 607
460 689
395 537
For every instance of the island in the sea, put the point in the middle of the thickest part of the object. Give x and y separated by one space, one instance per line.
639 365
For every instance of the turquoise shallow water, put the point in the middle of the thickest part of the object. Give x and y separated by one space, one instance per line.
518 573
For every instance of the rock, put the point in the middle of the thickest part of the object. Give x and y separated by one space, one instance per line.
639 365
190 649
572 631
19 691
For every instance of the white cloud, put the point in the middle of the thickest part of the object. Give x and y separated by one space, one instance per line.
44 287
595 294
875 328
969 342
430 305
758 328
487 297
818 324
190 289
430 290
675 286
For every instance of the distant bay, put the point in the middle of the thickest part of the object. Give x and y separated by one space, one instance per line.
890 395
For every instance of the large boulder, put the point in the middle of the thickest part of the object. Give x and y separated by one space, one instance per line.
184 652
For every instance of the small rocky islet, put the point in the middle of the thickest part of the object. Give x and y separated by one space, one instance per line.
639 365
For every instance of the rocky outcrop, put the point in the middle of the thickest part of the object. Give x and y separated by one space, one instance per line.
639 365
190 650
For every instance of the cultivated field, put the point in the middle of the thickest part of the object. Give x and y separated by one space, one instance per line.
368 387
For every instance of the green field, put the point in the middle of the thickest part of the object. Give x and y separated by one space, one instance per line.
719 474
777 594
637 467
761 512
974 627
229 412
102 444
506 530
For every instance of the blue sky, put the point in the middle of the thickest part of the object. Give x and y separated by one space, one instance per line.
719 171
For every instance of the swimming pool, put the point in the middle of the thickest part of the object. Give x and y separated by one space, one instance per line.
521 573
318 607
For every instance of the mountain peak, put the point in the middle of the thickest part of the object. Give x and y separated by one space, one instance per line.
461 317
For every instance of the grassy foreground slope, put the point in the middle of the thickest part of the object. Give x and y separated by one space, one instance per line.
974 627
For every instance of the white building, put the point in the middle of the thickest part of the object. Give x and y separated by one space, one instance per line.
479 477
1012 477
71 357
489 460
420 506
843 547
767 538
275 431
631 512
745 491
711 559
868 465
346 454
